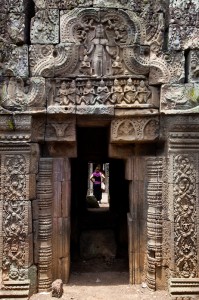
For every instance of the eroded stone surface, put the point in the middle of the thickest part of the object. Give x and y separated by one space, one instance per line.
45 27
180 98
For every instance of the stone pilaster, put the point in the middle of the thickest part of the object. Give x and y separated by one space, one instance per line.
183 171
15 222
45 195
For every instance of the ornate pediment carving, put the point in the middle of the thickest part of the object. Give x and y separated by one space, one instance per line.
94 43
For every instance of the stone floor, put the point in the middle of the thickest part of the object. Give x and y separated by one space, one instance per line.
104 286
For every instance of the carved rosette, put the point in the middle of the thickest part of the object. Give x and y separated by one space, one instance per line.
44 194
15 215
154 218
135 129
185 231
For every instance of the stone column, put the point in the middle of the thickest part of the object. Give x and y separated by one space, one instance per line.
44 225
154 218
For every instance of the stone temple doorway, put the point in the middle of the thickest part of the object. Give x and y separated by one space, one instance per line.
99 239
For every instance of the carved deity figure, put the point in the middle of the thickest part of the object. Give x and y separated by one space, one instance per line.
143 92
88 94
117 66
102 93
117 92
129 92
67 94
99 50
85 66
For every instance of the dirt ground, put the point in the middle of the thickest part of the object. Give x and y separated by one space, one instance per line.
103 284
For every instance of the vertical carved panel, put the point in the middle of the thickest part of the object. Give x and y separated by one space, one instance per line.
14 217
44 193
14 204
154 218
184 205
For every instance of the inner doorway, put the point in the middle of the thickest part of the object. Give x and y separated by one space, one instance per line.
99 240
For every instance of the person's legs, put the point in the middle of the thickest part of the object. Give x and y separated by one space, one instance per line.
97 192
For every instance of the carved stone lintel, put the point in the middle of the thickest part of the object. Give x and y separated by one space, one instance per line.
60 129
135 129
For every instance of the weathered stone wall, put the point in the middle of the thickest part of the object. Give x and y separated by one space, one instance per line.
130 65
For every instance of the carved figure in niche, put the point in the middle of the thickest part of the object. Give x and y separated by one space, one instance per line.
129 91
117 66
117 92
119 30
66 94
186 270
102 93
87 95
99 50
126 129
62 93
85 66
72 92
143 92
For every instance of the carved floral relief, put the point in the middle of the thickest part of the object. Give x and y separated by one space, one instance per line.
135 129
184 193
12 6
184 25
15 180
15 215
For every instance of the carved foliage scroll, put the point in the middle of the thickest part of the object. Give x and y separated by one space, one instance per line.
154 218
185 231
14 196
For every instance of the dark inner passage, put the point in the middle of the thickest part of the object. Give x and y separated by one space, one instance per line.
98 237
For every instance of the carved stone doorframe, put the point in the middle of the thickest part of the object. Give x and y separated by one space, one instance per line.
53 237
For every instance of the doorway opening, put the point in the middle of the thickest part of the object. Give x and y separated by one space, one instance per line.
99 239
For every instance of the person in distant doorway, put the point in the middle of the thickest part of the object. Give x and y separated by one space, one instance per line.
97 178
